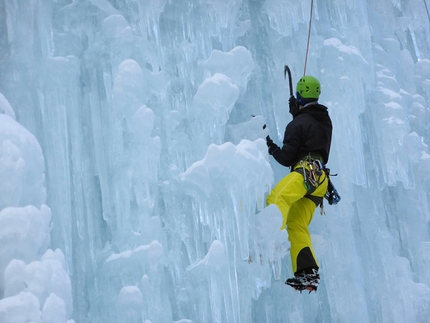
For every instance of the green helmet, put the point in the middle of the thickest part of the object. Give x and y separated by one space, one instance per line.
308 87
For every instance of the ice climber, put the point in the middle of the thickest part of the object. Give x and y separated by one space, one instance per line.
305 150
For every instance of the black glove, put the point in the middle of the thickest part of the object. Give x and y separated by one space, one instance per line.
294 108
272 146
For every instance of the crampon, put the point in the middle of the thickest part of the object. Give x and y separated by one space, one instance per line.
303 281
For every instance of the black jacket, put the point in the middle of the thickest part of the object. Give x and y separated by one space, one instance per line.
310 131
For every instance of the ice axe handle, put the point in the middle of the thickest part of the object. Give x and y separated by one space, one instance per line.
290 79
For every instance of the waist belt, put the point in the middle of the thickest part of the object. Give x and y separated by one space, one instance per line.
311 157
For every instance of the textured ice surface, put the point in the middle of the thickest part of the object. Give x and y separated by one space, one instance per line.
134 170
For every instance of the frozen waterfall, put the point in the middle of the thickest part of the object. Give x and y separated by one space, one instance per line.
133 166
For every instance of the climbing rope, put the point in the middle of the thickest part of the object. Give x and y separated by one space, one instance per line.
309 36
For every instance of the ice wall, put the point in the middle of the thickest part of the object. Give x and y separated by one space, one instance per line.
147 145
34 284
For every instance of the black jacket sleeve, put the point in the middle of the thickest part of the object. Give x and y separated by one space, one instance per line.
287 155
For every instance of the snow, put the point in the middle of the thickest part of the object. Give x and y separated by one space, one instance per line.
214 260
134 168
237 64
5 107
343 49
215 99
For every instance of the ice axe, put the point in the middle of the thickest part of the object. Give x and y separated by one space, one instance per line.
290 82
293 107
290 79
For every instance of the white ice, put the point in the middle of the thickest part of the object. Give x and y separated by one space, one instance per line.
134 170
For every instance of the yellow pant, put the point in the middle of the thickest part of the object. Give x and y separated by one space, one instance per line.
297 212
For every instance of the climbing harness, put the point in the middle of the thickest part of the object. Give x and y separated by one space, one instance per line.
312 169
